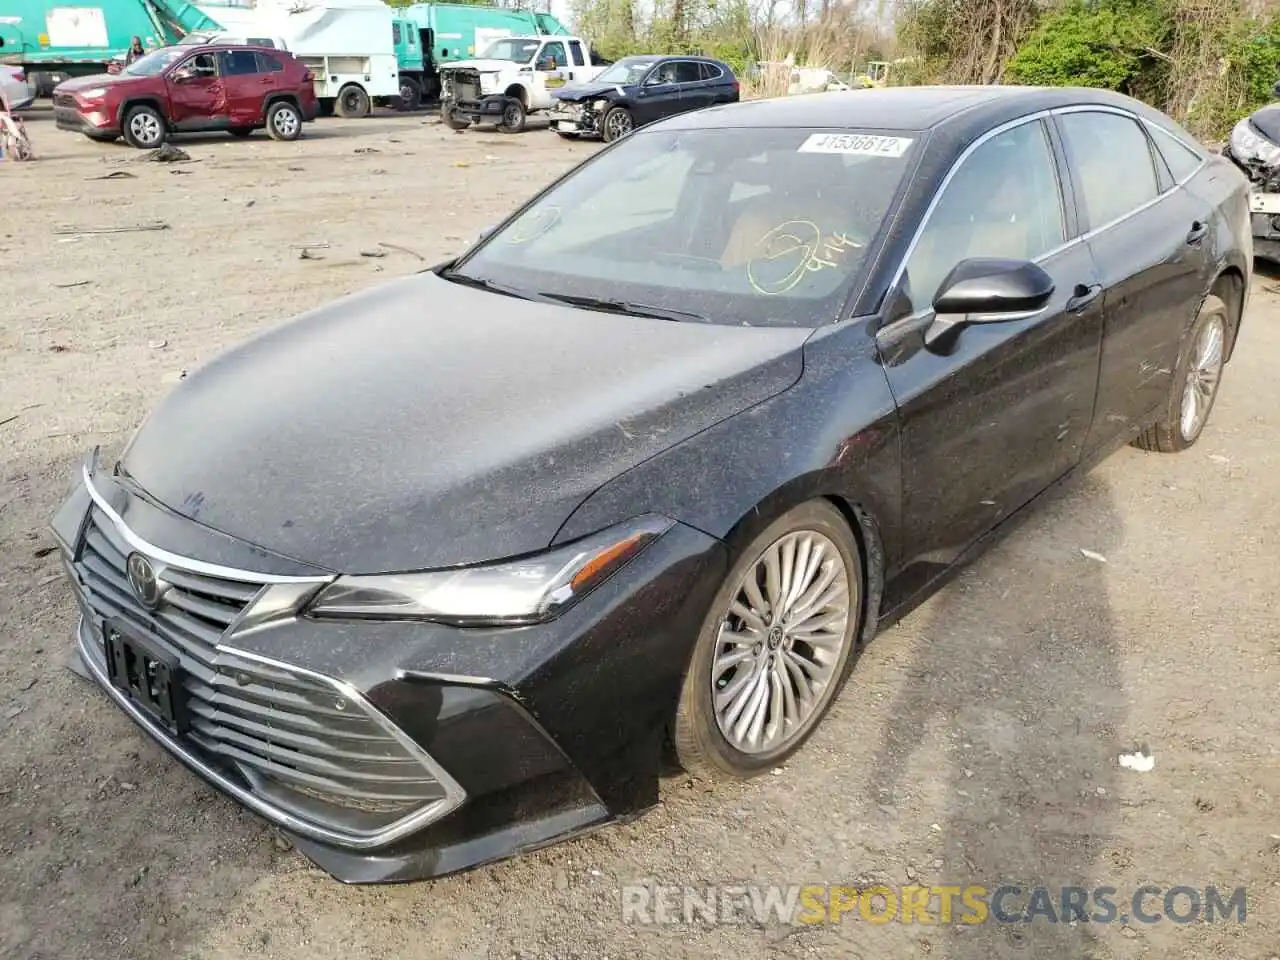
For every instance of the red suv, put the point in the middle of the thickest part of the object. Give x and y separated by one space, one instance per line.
187 89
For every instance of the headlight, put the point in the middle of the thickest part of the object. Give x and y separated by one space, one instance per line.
93 93
529 590
488 81
1246 143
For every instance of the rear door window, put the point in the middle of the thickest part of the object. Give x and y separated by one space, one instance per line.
686 71
268 64
238 63
1112 163
710 71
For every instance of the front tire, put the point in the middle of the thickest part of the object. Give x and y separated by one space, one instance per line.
284 121
143 128
616 124
775 648
353 103
450 120
1195 383
513 116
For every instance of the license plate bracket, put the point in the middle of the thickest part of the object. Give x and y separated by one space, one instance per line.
147 673
1260 202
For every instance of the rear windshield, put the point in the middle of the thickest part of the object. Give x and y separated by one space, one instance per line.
740 226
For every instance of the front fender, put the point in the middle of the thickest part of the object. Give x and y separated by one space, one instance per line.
833 434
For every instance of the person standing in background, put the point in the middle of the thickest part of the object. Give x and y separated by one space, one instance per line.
135 51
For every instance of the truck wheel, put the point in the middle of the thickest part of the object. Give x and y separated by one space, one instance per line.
451 121
353 102
284 122
513 116
617 123
143 127
410 94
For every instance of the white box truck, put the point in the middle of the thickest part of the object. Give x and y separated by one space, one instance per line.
347 44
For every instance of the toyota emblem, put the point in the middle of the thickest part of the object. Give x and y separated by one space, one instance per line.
143 580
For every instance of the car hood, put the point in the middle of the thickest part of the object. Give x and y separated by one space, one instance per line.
425 424
589 90
483 66
95 80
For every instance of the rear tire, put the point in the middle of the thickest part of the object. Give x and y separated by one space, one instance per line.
757 638
353 103
144 128
1195 384
410 94
284 121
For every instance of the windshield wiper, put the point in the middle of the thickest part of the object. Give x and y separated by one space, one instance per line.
625 306
493 286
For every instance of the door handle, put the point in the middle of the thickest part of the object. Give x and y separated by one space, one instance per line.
1197 232
1083 295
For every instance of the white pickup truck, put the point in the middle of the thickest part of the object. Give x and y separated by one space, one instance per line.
512 78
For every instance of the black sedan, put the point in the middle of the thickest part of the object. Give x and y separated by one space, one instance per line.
637 91
441 572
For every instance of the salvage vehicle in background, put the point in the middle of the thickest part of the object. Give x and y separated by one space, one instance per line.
512 78
189 89
1254 146
668 447
640 90
15 92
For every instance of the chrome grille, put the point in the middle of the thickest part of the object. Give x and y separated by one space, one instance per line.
293 737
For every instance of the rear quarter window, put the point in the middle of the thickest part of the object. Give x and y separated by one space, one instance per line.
1181 159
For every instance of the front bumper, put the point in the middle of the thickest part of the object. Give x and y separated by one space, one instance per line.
495 741
68 115
574 118
482 109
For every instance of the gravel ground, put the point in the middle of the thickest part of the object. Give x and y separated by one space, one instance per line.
976 743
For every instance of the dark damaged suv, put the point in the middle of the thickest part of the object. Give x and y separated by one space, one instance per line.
189 89
637 91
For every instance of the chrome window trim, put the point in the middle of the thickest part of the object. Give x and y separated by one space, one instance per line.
453 798
1004 128
176 560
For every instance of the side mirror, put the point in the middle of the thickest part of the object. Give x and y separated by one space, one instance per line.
986 290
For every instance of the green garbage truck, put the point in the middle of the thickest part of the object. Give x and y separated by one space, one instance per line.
51 41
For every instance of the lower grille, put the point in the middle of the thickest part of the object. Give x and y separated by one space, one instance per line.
64 100
297 741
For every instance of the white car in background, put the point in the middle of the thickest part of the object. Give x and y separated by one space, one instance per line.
15 92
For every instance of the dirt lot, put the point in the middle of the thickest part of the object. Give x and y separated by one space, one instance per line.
976 743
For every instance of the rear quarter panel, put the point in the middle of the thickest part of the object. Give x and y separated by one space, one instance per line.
1221 184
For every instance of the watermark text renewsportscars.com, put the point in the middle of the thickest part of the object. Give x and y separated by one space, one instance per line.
808 904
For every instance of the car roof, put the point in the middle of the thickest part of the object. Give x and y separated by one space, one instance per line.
905 108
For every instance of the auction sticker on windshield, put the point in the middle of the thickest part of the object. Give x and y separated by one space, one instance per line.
862 144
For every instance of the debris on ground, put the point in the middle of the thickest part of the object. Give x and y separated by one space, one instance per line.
1140 761
306 254
115 175
78 232
396 246
1093 555
167 153
73 283
373 253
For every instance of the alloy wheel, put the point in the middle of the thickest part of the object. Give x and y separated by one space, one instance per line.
1203 376
145 128
285 122
619 124
781 643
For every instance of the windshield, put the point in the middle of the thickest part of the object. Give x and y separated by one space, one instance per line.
517 51
153 63
740 226
626 72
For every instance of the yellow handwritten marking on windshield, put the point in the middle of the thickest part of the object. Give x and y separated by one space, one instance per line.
533 225
800 242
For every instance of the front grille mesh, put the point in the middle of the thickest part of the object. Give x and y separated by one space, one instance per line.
64 100
275 727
